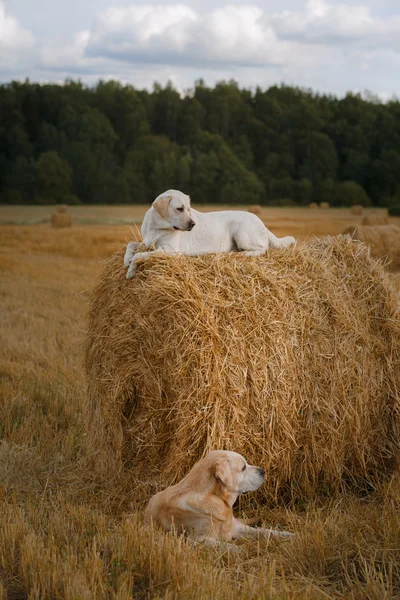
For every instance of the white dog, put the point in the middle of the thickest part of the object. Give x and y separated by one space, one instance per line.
201 504
168 224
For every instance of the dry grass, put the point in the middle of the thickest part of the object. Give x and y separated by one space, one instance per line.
384 241
256 209
357 209
65 532
80 242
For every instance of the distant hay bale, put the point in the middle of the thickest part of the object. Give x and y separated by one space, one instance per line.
61 208
357 209
255 209
291 359
375 218
384 241
60 220
324 205
313 205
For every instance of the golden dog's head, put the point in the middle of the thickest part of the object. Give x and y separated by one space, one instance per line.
233 472
173 207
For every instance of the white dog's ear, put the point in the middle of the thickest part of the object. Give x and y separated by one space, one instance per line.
223 472
161 204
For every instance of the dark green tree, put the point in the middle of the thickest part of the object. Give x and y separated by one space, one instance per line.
221 143
54 178
349 193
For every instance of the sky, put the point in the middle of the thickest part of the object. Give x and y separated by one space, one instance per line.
330 46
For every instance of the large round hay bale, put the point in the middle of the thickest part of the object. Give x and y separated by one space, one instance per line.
61 208
375 218
384 241
255 209
357 209
324 205
60 220
291 359
313 205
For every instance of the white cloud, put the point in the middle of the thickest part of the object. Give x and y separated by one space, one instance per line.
15 42
143 28
12 36
176 33
53 54
337 24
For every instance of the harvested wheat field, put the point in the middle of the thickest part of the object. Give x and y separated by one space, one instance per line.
357 209
256 209
300 221
68 530
384 241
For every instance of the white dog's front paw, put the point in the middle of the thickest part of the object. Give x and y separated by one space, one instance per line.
130 251
288 241
131 271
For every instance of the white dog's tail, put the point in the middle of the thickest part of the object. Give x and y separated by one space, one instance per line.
276 242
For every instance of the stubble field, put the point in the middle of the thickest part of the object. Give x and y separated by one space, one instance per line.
65 532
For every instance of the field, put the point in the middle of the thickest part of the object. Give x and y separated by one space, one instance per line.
299 221
66 532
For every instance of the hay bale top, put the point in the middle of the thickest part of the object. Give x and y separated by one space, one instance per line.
61 208
324 205
255 209
60 220
290 359
375 219
384 241
313 205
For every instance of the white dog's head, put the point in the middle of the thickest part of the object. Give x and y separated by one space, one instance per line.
173 207
232 470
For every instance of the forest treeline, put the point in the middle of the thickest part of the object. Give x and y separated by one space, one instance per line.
115 144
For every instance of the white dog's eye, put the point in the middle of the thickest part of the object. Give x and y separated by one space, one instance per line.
180 209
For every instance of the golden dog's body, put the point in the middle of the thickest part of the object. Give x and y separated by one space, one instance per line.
201 504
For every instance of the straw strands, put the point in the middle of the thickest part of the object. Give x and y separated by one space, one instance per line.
292 359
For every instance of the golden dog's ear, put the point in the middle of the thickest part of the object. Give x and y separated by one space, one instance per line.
161 204
223 472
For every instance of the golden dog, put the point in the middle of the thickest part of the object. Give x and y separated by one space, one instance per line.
201 504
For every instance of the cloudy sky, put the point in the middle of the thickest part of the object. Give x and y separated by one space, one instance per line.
328 45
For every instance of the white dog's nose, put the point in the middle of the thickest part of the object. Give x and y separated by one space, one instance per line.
191 225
